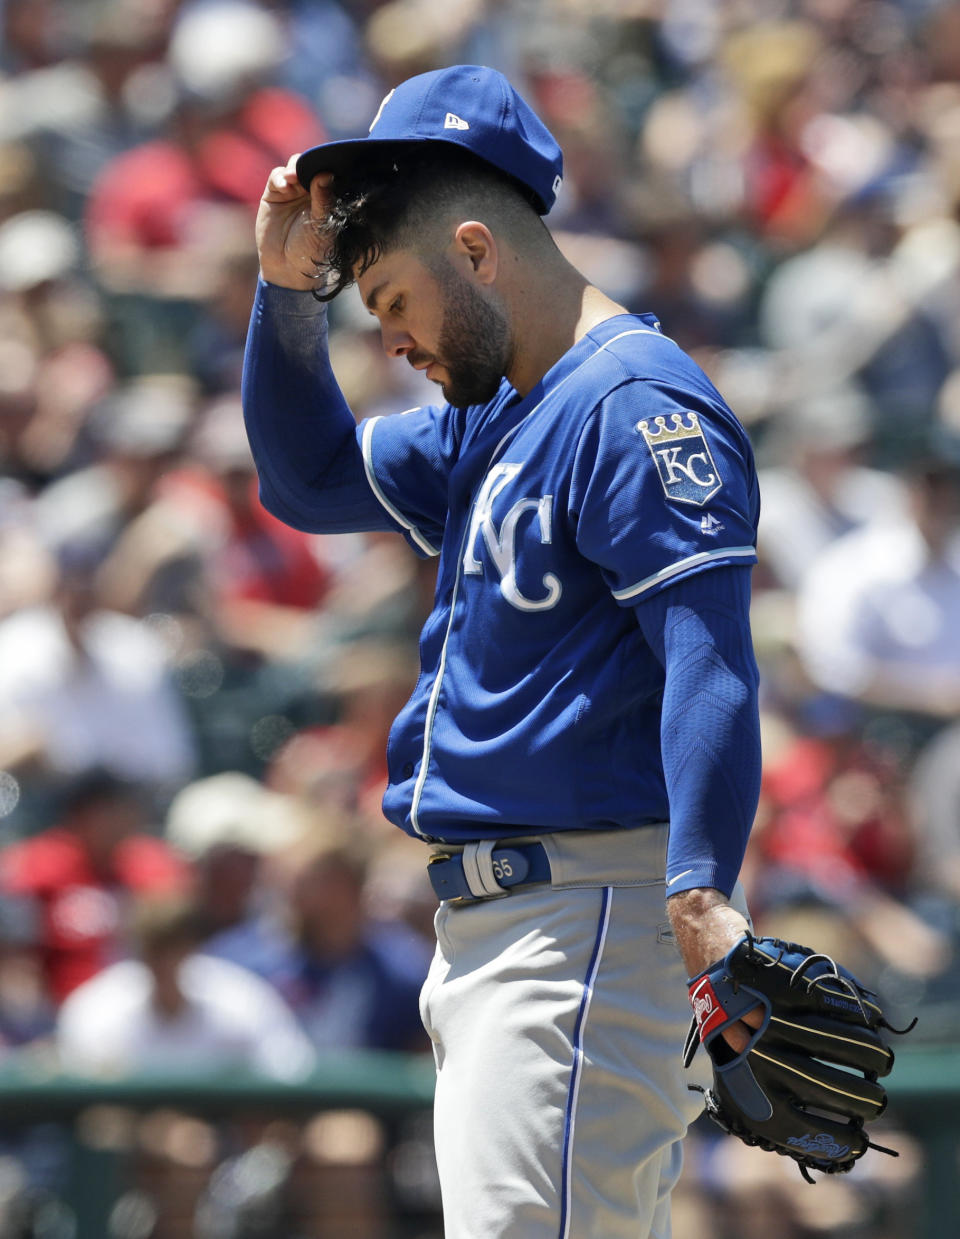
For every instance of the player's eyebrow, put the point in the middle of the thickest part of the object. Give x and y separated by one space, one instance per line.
371 299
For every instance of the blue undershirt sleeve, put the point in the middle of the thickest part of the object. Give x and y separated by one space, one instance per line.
699 629
301 431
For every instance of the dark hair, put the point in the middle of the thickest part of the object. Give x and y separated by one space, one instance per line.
380 204
95 786
161 923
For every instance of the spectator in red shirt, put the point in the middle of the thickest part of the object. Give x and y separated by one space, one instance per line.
164 219
157 212
82 875
259 559
262 581
832 833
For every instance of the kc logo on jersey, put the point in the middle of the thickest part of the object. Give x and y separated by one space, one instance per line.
501 543
682 456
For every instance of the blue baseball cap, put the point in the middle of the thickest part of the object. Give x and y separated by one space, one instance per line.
469 106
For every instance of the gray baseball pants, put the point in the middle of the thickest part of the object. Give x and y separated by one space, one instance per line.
557 1015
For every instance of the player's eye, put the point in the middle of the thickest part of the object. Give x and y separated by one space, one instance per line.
396 306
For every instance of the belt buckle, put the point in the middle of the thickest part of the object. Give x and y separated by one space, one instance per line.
442 858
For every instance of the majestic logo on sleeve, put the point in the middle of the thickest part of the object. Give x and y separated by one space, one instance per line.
502 544
687 470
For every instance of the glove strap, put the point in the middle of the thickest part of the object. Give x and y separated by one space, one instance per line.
708 1010
717 1001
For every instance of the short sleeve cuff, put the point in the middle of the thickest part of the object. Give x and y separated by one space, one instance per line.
417 539
690 563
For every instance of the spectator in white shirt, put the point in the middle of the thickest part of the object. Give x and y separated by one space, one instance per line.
83 687
878 615
820 488
177 1011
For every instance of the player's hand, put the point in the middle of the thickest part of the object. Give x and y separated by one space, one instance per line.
287 240
706 926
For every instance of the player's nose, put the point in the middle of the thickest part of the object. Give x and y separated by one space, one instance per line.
396 342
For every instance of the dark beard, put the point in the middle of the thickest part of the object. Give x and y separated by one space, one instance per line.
474 344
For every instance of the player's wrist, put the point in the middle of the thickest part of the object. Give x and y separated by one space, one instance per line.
285 277
290 302
705 926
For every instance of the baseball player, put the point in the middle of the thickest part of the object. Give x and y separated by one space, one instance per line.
581 752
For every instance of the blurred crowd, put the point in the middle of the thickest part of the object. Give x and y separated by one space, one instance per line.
195 700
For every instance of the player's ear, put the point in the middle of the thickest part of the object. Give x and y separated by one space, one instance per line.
474 245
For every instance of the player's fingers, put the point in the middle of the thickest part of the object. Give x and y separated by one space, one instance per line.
320 194
754 1017
738 1035
282 184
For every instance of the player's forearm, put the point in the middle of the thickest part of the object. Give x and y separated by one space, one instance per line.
710 736
301 431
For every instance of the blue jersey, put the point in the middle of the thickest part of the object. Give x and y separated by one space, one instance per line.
557 517
539 702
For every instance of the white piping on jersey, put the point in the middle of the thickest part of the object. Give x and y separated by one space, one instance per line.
691 561
412 530
438 681
435 693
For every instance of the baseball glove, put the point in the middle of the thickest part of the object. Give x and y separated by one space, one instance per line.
807 1082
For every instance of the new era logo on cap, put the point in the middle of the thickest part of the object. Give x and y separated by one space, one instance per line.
503 130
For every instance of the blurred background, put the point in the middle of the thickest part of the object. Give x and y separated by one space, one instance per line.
211 942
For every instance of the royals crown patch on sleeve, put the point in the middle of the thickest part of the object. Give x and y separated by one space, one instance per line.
682 455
